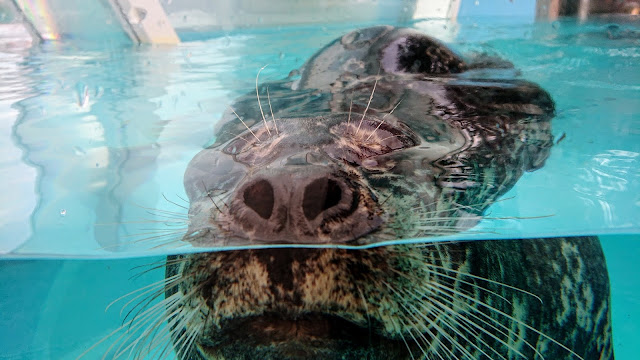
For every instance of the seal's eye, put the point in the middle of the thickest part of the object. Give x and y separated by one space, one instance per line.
358 141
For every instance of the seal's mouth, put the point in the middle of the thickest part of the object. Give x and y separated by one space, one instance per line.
273 328
305 336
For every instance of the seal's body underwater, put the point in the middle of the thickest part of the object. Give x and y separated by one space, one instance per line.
386 134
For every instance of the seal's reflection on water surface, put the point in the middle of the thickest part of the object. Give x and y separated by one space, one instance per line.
385 134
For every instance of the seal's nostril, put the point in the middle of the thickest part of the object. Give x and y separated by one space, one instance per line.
259 197
320 195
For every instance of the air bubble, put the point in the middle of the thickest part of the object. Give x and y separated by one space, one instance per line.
63 212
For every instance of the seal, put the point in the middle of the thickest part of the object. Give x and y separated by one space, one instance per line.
385 133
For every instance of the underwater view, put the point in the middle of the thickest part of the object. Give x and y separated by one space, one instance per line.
132 173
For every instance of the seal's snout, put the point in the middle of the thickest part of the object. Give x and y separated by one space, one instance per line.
318 196
307 204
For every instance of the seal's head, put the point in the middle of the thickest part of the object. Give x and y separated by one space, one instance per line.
386 134
383 136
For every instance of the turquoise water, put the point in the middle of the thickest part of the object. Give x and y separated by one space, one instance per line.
94 137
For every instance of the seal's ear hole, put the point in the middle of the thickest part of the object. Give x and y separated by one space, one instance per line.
320 195
260 198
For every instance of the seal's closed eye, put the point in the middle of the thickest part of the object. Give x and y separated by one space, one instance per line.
358 141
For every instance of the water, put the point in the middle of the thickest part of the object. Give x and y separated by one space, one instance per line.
93 137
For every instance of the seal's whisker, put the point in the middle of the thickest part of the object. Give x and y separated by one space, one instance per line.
243 123
350 107
375 83
487 280
164 351
438 343
162 211
171 305
400 332
176 320
465 323
264 119
273 118
168 221
438 218
171 240
430 295
154 335
431 322
131 326
235 136
403 317
160 289
184 350
519 217
447 318
421 337
392 110
144 289
382 120
143 304
156 265
210 196
431 230
176 243
143 272
508 334
465 274
174 203
424 328
148 296
168 237
474 207
154 232
183 199
439 274
135 347
185 342
443 230
365 305
509 317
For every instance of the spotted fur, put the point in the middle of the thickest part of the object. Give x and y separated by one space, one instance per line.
436 298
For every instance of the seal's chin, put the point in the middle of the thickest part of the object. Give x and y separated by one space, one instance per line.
307 336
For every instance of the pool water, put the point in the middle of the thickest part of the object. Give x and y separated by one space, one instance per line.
94 137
